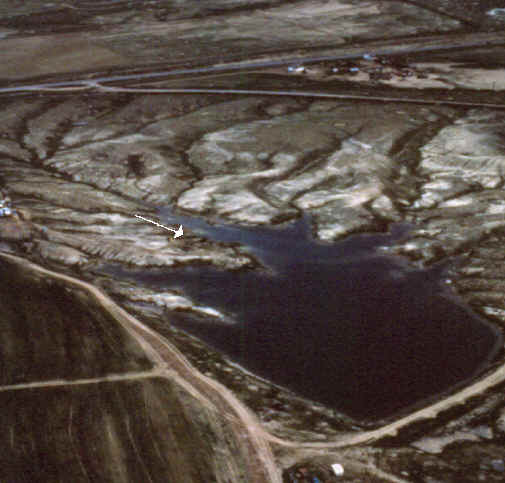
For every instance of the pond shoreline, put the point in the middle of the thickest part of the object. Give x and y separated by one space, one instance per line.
352 269
157 345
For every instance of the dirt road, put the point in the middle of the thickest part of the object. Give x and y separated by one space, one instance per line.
259 61
170 363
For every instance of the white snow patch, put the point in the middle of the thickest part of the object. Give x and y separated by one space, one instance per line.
462 201
361 195
438 184
330 233
496 209
437 445
197 198
358 143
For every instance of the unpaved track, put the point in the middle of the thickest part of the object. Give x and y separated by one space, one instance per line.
256 92
295 93
170 363
127 376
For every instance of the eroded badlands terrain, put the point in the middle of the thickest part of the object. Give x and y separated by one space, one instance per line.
76 164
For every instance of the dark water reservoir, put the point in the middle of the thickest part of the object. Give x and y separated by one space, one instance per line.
337 323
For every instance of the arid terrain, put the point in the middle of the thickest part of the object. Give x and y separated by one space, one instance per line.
359 115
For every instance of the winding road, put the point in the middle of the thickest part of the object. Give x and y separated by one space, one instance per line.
170 363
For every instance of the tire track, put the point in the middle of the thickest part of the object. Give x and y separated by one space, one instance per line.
169 362
262 466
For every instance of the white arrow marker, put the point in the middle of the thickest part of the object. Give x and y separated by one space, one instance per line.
177 233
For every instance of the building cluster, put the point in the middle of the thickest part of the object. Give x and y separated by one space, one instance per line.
375 66
6 208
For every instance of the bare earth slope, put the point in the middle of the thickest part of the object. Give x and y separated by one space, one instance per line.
395 114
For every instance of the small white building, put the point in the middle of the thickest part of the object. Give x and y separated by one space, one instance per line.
338 469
